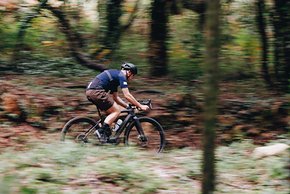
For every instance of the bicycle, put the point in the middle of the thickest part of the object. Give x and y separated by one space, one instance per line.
143 131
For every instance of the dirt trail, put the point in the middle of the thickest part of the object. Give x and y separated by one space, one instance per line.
47 103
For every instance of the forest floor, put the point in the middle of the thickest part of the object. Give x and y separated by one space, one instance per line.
41 164
246 109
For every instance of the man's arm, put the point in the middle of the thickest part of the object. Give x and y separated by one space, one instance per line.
132 100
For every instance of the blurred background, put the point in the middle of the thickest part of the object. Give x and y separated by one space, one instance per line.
51 49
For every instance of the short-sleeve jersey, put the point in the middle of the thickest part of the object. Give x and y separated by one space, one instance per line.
109 80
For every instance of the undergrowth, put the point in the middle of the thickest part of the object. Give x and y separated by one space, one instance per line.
71 168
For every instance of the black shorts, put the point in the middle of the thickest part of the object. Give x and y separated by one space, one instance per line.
100 98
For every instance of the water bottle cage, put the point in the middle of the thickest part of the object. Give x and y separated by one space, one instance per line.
117 125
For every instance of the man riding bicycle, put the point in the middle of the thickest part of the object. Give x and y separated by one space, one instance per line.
103 92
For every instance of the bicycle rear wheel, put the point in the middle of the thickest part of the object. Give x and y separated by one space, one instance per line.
153 139
80 130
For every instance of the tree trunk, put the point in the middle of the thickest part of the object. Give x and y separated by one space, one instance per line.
211 94
113 29
281 23
158 38
114 13
261 23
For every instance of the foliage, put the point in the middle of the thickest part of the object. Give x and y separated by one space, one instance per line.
133 49
240 42
186 47
7 34
44 37
42 65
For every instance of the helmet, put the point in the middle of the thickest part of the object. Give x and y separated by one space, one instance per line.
131 67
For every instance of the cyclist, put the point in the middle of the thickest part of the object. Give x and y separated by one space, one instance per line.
103 92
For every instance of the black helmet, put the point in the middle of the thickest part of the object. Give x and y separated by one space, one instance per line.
131 67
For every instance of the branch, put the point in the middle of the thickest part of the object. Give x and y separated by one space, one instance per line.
198 6
72 38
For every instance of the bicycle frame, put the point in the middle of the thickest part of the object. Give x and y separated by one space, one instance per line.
129 120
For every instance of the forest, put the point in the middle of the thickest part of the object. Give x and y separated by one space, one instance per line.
217 72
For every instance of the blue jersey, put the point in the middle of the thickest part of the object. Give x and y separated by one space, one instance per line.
109 80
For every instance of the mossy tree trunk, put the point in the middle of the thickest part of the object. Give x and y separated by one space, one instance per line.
211 94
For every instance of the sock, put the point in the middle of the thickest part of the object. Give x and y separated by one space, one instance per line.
106 126
107 129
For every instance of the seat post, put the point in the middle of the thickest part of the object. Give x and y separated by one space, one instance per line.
100 114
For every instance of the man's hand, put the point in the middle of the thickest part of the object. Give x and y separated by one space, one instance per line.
144 107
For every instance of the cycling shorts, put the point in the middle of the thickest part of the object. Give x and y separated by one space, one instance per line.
100 98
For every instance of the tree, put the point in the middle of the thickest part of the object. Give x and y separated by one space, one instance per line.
281 23
112 30
211 94
261 23
113 27
158 38
75 41
160 10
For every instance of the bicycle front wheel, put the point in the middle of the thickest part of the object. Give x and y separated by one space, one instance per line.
153 138
80 130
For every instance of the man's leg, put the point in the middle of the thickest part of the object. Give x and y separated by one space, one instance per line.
112 114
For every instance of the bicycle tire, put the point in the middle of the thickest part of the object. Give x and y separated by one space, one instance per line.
75 130
153 132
